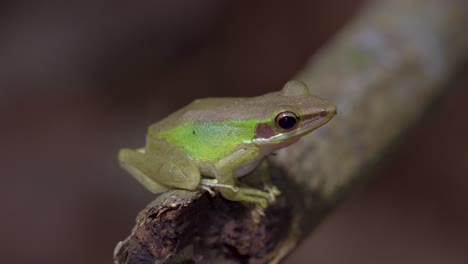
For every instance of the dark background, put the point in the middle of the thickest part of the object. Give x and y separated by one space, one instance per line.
79 80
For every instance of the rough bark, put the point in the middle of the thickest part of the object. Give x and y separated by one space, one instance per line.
382 71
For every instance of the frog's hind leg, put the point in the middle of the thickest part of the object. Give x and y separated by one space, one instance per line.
127 157
161 166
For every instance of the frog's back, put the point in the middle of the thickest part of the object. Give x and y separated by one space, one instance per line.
199 111
215 110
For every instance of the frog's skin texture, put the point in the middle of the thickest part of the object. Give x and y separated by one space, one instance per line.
210 142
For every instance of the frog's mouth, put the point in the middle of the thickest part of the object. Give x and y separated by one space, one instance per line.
310 123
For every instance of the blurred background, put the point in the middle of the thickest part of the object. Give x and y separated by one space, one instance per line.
81 79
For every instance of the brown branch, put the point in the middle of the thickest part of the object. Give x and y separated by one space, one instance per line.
180 226
382 71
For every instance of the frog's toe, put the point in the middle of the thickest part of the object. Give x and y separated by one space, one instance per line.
209 190
272 191
263 203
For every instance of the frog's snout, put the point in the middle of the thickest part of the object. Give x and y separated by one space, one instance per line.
331 109
328 111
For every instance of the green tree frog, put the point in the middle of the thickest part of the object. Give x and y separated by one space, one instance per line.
210 142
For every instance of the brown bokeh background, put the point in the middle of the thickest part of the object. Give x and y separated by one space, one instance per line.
80 79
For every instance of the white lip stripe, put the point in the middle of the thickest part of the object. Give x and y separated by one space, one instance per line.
279 137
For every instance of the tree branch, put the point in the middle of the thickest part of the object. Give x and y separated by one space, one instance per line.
382 71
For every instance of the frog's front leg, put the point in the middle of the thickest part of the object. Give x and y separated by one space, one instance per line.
225 175
263 175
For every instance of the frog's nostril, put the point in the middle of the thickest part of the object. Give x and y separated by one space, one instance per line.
331 109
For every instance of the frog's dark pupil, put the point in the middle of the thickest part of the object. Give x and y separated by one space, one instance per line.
287 122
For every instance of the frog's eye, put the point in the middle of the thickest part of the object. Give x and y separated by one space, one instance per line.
286 120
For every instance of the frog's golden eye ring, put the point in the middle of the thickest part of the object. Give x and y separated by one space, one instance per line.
286 120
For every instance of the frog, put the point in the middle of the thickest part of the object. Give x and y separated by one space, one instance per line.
210 143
